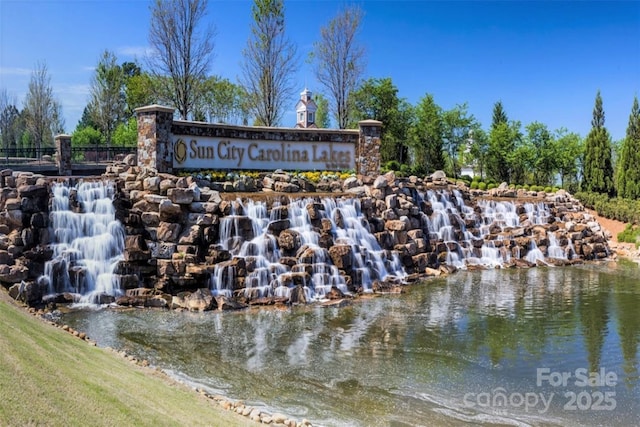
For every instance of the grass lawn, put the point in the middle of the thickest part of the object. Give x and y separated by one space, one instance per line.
48 377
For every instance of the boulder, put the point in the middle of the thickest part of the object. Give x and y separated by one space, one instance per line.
181 196
170 211
342 256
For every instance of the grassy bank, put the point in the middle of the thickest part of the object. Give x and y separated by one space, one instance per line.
48 377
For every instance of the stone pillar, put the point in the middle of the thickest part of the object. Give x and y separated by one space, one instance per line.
368 148
63 154
155 148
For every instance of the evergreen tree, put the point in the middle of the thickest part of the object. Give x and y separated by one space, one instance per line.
598 164
499 116
426 138
504 160
628 169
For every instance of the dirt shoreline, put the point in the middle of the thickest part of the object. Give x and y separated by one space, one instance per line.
613 227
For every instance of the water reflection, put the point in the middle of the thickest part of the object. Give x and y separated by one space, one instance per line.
408 359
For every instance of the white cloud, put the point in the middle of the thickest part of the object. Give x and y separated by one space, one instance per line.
134 51
15 71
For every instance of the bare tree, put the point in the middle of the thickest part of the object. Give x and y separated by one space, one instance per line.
107 105
181 51
269 62
43 113
9 118
340 60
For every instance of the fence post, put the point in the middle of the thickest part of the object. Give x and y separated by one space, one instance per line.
368 148
155 149
63 154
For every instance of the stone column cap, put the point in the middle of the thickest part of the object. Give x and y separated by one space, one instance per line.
154 107
370 122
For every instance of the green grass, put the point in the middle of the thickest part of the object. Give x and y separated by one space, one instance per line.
48 377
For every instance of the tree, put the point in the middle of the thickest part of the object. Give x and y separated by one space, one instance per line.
181 51
378 99
269 63
340 61
126 134
223 101
544 161
43 115
425 137
86 137
322 113
478 149
598 165
107 105
9 122
628 168
140 90
502 159
499 115
570 155
456 124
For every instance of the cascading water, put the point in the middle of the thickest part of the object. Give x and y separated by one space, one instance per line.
493 224
87 244
246 234
555 250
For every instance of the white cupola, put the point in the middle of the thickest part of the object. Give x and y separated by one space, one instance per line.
306 110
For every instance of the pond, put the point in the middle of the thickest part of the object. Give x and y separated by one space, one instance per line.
552 346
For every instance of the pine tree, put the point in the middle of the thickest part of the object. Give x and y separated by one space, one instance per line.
499 116
628 168
598 165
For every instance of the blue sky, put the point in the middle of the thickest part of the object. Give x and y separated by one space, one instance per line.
543 60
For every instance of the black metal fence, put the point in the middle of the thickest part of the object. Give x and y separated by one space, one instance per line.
99 154
47 155
26 155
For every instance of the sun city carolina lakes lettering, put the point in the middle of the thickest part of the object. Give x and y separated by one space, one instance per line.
236 153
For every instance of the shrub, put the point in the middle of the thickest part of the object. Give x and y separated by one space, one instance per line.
548 190
482 186
392 165
491 186
466 178
477 178
474 185
631 234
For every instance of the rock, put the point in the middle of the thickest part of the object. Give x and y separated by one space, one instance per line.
169 211
342 256
135 249
438 175
289 240
286 187
181 196
350 182
200 300
169 232
380 182
298 295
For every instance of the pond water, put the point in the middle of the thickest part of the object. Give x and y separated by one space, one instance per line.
541 346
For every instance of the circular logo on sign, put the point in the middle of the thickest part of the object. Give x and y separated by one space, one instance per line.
180 151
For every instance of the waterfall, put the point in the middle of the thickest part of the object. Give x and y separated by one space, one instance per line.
534 254
554 250
87 242
248 235
490 236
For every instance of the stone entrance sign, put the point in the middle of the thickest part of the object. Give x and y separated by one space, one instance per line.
169 145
